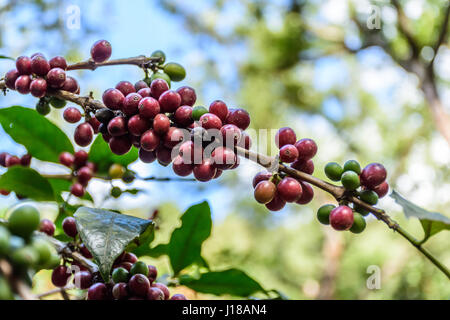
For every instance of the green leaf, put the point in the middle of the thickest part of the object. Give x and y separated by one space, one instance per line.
27 182
133 191
145 250
432 222
232 281
102 156
6 57
107 234
43 139
186 241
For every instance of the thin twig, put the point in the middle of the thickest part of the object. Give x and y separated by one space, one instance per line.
55 291
140 61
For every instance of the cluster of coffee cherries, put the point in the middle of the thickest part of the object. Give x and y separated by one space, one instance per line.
275 190
7 160
82 170
131 279
368 184
23 249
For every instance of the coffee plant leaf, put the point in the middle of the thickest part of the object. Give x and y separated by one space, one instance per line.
432 222
103 157
155 252
107 234
42 139
28 183
232 282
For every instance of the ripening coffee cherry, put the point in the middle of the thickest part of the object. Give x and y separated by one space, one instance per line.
164 155
149 108
178 296
10 78
84 134
71 85
126 265
350 180
155 293
12 161
95 124
141 84
23 65
276 204
82 280
173 137
224 158
80 158
359 223
373 175
47 227
352 165
323 214
85 251
66 159
97 291
220 109
3 157
22 84
60 275
72 115
131 104
70 227
129 257
262 176
158 87
120 291
101 51
104 115
113 99
284 137
77 190
369 197
231 135
169 101
181 168
381 190
183 116
239 117
139 285
333 171
341 218
38 87
43 107
139 267
265 192
56 77
188 96
289 189
147 156
152 273
205 171
120 145
150 141
303 166
58 62
40 66
145 92
137 125
175 71
307 149
288 153
210 121
84 175
161 124
163 288
307 195
125 87
118 126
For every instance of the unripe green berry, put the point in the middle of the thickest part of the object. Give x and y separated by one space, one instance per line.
116 192
175 71
25 257
5 290
4 240
333 171
350 180
139 267
360 210
24 220
197 112
128 177
369 196
120 275
161 75
323 214
57 103
43 108
352 165
359 223
43 249
159 54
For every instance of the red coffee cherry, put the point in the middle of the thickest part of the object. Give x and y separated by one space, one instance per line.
205 171
56 77
77 190
25 160
147 156
118 126
125 87
72 115
60 275
38 87
239 118
285 136
149 108
137 125
4 192
191 152
131 104
246 141
224 158
265 192
80 158
120 291
85 251
145 92
113 99
22 84
58 62
48 227
70 227
11 161
178 296
307 149
220 109
82 280
173 137
70 85
341 218
155 294
262 176
158 87
95 124
381 190
101 51
181 168
10 79
308 193
66 159
120 145
84 134
129 257
141 84
152 273
183 116
373 175
40 66
164 289
188 96
150 140
84 175
304 166
169 101
231 135
210 121
126 265
164 155
276 204
3 157
288 153
97 291
139 285
289 189
161 124
23 65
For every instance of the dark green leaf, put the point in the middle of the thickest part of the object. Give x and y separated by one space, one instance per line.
6 57
432 222
27 182
43 139
233 282
102 156
106 234
155 252
186 241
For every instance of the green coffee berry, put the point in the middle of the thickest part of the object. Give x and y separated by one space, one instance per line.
350 180
333 171
139 267
360 210
197 112
159 54
323 214
369 196
352 165
161 75
120 275
359 223
57 103
175 71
